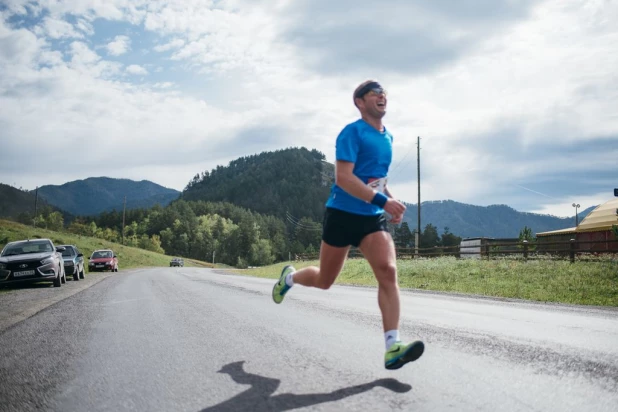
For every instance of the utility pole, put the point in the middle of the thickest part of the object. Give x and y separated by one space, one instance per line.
417 235
36 199
124 208
213 256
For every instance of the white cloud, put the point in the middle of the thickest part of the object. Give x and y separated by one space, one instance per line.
85 26
163 85
174 44
565 207
82 54
18 47
58 29
114 10
120 45
136 69
503 102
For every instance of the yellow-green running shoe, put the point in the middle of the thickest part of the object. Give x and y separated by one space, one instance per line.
399 354
281 288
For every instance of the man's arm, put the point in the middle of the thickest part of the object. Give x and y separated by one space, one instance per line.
348 181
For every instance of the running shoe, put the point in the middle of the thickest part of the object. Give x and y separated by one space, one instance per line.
399 354
281 288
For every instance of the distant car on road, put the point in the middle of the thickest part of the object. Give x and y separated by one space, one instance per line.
73 261
177 262
103 260
32 261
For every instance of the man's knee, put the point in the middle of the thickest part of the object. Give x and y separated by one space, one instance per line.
387 274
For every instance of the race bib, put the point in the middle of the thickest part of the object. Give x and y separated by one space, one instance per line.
377 184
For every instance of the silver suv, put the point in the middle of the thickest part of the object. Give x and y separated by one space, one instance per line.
32 261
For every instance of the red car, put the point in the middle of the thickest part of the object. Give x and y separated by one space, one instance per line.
104 259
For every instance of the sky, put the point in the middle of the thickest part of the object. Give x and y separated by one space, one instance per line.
515 102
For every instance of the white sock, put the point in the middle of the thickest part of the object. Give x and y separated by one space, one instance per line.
289 279
391 337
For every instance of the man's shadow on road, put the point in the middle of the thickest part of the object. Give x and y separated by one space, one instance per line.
259 396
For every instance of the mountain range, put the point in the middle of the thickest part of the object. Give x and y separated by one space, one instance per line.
94 195
496 221
290 184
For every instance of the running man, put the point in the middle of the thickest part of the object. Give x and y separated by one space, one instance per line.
355 216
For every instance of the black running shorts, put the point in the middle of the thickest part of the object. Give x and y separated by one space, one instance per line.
342 229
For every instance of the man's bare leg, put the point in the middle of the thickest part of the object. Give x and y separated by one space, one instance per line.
379 250
332 260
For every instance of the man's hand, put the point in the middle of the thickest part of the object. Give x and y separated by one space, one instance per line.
396 209
396 219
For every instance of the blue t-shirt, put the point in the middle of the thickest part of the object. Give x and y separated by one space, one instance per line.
371 152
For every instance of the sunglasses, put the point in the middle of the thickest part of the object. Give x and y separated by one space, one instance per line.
377 91
373 87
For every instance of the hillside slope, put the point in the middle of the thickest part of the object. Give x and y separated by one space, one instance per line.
294 181
18 204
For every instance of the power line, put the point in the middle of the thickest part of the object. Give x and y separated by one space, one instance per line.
296 222
392 173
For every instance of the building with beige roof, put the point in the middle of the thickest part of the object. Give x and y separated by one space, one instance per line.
595 228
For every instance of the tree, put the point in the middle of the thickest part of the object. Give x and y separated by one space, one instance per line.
261 253
79 228
429 237
450 239
526 234
55 221
92 231
152 243
403 236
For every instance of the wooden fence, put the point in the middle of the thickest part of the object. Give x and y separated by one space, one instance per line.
488 250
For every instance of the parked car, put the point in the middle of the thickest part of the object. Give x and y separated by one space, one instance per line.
32 261
177 262
102 260
73 261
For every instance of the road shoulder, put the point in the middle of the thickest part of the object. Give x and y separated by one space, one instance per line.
20 303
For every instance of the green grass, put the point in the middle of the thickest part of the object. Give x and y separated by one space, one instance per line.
128 257
592 282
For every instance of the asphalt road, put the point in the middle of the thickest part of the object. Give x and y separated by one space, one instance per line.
188 339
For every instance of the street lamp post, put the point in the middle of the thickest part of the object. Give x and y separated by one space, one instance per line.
576 206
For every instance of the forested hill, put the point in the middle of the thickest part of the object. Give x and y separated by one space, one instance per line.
14 201
97 194
295 181
19 205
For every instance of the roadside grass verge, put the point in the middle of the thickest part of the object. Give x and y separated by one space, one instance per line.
128 257
590 282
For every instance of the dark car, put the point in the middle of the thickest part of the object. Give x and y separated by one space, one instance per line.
101 260
177 262
73 261
32 261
